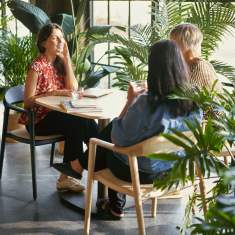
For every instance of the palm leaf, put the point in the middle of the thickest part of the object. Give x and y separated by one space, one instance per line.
222 68
214 19
31 16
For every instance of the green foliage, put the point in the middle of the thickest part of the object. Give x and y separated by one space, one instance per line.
220 218
4 18
214 18
202 151
204 98
222 68
34 18
31 16
131 54
15 56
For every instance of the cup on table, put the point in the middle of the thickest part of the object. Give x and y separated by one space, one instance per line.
77 94
80 92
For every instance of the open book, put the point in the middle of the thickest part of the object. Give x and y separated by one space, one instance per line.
79 106
96 92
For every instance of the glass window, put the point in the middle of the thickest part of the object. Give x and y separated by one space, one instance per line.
117 13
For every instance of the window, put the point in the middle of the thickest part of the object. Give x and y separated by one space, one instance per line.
121 13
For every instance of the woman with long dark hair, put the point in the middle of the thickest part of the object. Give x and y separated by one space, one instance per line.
146 114
51 73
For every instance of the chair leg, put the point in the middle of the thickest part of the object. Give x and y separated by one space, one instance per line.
154 206
90 180
34 182
2 153
140 215
52 154
136 188
88 203
4 131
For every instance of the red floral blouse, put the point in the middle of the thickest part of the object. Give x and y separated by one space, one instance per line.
48 80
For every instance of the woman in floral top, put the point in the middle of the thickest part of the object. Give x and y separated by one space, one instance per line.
51 73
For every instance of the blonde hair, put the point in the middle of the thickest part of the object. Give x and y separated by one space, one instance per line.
188 37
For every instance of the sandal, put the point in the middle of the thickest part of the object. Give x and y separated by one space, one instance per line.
104 212
66 169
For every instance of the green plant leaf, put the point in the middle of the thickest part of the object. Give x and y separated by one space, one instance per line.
65 21
31 16
164 156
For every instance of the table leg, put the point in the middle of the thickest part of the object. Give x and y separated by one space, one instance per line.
102 190
76 201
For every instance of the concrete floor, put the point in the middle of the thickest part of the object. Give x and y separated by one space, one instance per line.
20 215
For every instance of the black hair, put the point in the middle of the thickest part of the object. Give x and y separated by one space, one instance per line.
44 33
167 73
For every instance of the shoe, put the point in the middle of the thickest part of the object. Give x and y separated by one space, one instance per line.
66 169
70 184
104 212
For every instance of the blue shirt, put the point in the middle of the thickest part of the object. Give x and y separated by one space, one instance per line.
140 123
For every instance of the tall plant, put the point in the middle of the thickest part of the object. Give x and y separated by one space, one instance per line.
34 18
16 54
220 218
214 18
201 154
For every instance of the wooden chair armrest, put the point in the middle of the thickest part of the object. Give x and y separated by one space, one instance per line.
110 146
130 151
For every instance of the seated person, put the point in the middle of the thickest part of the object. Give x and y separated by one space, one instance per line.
145 114
51 74
189 38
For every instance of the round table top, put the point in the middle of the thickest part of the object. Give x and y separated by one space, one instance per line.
108 106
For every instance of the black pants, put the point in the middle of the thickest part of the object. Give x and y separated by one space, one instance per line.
76 130
105 159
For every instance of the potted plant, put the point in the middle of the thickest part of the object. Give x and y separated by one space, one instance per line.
201 161
33 18
15 56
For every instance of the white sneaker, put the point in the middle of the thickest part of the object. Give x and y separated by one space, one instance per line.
70 184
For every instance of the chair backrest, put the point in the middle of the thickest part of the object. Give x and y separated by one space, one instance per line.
156 144
14 95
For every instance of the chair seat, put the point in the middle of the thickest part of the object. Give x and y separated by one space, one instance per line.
107 178
23 133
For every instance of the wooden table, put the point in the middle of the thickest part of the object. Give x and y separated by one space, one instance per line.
111 106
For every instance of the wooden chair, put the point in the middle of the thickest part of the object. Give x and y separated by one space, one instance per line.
155 144
14 96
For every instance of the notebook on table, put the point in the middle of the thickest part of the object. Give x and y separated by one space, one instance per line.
79 106
96 92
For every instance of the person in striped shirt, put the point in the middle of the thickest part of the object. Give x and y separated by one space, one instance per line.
189 38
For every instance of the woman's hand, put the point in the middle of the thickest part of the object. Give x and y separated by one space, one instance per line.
133 92
70 79
63 52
